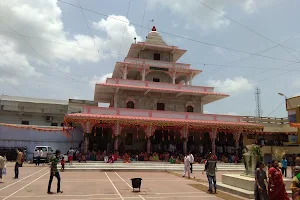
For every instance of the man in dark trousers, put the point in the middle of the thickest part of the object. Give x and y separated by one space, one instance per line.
191 161
210 168
18 162
54 172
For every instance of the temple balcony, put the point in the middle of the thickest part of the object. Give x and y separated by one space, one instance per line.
159 85
156 63
161 114
105 92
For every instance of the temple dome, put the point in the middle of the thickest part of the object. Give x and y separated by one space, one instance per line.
155 38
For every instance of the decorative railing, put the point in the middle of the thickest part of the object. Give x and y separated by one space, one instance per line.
156 63
265 120
155 85
161 114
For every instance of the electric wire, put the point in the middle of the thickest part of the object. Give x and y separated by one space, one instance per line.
178 36
143 17
245 58
249 29
12 85
275 109
51 66
128 9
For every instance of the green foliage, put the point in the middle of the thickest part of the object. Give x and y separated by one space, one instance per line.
278 154
255 151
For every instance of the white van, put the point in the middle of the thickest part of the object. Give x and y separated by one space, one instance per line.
47 153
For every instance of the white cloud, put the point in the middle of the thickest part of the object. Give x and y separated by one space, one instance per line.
296 83
218 50
229 113
43 20
114 26
196 13
174 24
250 6
13 64
101 79
231 86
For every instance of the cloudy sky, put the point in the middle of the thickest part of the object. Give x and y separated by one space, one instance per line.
54 49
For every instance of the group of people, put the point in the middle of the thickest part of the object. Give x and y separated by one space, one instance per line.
276 186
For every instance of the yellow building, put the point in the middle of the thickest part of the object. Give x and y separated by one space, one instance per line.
293 108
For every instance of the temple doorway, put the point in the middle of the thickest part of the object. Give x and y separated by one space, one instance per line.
199 143
132 140
162 139
101 140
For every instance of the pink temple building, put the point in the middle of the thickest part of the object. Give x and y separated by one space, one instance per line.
153 103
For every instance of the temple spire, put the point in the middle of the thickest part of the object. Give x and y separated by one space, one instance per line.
155 38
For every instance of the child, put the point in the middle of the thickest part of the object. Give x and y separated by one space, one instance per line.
62 162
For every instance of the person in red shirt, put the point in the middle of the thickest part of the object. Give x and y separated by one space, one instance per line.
62 162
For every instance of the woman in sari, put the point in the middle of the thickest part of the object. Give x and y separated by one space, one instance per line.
295 185
260 190
276 187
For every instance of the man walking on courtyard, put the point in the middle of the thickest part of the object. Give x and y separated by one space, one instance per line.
39 154
2 165
18 163
210 168
186 166
54 172
191 161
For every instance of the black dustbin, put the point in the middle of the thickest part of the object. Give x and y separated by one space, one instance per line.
136 183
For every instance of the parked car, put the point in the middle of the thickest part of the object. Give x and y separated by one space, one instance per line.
47 154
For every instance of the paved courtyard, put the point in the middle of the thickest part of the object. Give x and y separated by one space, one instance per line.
33 181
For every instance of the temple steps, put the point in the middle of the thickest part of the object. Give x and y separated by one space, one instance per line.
145 166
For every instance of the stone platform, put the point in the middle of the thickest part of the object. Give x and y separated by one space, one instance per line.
145 166
243 185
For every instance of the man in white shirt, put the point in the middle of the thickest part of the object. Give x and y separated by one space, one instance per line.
191 161
186 166
39 154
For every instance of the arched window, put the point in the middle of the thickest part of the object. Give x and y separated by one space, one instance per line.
189 109
130 104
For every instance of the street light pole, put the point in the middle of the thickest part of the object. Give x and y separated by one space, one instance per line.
285 99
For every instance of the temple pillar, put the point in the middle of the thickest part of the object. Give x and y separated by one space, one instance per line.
184 133
144 74
213 136
115 101
86 143
236 137
117 129
174 77
149 132
185 145
148 145
191 78
116 144
125 72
